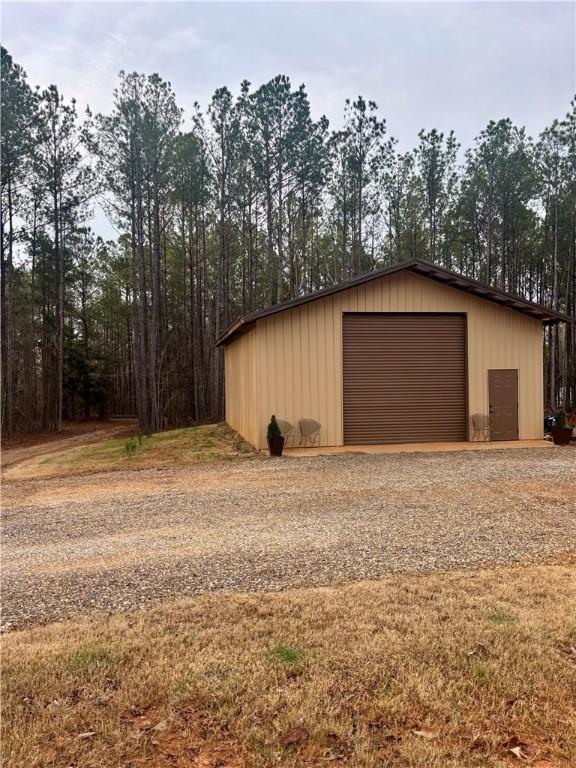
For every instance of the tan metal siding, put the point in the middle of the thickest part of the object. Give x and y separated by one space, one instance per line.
241 386
404 378
299 353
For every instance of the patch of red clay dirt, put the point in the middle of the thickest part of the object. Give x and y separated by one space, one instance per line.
181 741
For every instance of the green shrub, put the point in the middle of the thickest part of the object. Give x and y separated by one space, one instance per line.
273 428
130 447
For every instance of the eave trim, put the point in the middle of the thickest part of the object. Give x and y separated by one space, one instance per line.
433 272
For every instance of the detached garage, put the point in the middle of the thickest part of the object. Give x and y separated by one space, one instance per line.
406 354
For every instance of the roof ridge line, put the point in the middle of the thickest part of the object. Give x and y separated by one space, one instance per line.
419 266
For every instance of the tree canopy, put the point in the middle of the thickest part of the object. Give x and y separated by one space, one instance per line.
257 203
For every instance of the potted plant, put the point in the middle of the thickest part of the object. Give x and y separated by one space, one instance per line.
275 439
561 433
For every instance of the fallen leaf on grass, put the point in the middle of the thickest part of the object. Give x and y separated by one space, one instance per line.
424 733
479 650
523 750
533 758
294 736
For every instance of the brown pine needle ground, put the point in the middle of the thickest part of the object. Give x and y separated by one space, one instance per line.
473 668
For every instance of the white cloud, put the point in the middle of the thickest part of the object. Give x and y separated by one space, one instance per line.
179 41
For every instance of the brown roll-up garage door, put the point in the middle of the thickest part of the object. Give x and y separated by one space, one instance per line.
404 378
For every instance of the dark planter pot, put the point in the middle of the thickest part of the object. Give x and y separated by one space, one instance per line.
276 445
561 435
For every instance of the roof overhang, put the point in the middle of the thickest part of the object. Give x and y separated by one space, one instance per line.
431 271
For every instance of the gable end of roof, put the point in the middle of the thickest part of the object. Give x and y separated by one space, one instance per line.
431 271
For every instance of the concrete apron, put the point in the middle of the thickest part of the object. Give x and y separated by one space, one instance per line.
417 447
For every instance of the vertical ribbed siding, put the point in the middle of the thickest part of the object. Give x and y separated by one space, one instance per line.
241 385
404 378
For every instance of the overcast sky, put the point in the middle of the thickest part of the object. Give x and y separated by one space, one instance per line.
450 65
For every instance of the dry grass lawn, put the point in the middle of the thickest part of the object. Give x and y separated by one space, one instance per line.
175 448
462 669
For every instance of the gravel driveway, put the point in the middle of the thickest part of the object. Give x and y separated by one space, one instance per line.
129 539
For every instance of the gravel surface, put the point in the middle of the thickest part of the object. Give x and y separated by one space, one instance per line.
125 540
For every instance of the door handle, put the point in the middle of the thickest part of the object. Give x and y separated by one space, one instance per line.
490 410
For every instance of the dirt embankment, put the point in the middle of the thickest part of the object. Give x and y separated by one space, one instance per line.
73 435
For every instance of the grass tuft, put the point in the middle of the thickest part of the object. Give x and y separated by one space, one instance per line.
500 617
287 654
91 655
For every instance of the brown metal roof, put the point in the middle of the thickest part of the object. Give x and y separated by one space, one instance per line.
454 280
